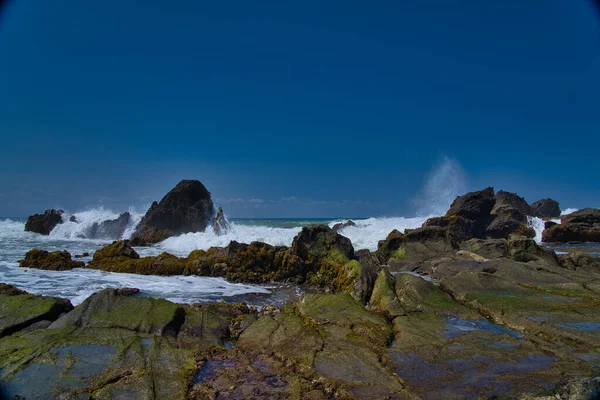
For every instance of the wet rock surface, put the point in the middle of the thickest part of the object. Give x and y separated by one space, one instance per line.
44 223
435 312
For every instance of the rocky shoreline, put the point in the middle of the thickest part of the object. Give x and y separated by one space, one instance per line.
468 306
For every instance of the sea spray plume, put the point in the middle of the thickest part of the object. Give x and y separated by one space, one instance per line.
445 181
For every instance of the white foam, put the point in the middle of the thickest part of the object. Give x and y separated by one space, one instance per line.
569 211
364 235
182 245
368 232
538 225
86 219
78 284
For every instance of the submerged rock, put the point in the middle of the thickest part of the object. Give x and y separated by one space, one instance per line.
545 208
110 229
341 225
56 260
44 223
188 207
220 224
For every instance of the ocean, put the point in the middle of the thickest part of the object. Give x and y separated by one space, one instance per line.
78 284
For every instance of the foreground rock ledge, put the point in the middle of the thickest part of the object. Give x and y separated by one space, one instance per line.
494 328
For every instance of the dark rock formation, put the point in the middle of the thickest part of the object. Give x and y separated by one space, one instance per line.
580 226
459 228
588 216
416 245
484 215
474 205
341 225
55 261
73 219
44 223
502 227
545 208
110 229
487 248
220 224
188 207
511 200
549 224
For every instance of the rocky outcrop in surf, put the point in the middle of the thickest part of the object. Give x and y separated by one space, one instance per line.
580 226
44 223
110 229
220 224
341 225
483 214
188 207
55 261
545 208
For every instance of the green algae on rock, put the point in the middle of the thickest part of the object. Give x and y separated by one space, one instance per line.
55 261
20 310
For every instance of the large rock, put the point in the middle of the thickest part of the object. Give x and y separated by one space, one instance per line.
524 249
502 227
20 310
459 228
44 223
474 205
511 200
110 229
580 226
589 216
188 207
331 262
484 214
55 261
121 257
416 245
109 309
545 208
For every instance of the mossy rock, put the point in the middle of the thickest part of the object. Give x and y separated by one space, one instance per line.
109 309
19 311
55 261
383 299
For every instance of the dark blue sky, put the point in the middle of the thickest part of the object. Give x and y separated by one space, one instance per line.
295 109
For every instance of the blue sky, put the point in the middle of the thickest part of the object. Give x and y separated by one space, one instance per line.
283 109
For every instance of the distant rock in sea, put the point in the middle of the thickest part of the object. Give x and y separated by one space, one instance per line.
220 224
188 207
44 223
